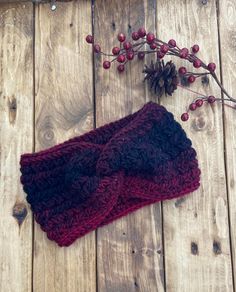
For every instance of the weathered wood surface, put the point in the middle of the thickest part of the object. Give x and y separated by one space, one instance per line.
33 1
16 136
63 108
227 31
51 91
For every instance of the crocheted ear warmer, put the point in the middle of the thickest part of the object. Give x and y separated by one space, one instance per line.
91 180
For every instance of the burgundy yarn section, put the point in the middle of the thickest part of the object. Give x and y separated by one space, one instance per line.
93 179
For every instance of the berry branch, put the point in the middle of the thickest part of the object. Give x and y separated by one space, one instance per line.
163 78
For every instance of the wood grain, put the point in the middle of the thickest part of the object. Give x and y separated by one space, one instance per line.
227 30
196 235
14 1
64 108
34 1
16 137
129 251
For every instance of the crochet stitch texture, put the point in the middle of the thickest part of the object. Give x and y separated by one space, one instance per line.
90 180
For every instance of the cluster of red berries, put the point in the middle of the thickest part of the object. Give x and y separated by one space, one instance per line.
196 104
127 50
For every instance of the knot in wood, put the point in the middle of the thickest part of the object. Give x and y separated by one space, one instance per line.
19 212
199 123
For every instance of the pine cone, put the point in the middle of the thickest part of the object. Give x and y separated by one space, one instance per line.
162 78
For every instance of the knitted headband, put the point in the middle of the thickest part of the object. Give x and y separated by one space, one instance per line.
93 179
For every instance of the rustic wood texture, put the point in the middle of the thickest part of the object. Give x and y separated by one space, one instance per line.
129 250
14 1
16 136
64 108
196 231
52 89
33 1
227 30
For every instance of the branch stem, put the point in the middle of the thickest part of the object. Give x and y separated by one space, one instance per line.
222 88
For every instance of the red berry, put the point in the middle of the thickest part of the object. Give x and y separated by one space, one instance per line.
193 106
211 67
153 46
197 63
121 58
127 46
142 32
199 102
96 48
106 64
182 70
184 117
130 55
89 39
195 49
115 51
135 36
191 78
121 37
121 68
172 43
183 53
141 55
164 49
211 99
160 55
150 37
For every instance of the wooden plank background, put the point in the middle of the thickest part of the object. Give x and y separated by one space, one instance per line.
53 89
